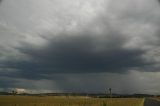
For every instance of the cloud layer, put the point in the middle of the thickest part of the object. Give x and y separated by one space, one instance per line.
51 42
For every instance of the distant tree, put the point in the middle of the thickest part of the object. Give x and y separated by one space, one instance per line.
14 92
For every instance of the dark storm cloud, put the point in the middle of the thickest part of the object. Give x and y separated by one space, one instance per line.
78 54
7 82
85 51
74 45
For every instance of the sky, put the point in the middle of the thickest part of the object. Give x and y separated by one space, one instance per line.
80 46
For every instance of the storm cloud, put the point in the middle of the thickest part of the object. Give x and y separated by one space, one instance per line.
64 46
82 54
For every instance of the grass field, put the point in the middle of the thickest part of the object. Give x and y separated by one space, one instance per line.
67 101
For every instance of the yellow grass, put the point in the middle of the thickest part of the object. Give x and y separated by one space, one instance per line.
67 101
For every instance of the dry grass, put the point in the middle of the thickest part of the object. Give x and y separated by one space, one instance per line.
64 101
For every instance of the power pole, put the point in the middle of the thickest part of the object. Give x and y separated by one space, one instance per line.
110 92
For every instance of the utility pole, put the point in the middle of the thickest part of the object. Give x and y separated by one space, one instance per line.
110 92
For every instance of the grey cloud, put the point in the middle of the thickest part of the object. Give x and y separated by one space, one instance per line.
85 51
115 39
7 82
79 54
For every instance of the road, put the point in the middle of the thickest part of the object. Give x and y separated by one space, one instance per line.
151 102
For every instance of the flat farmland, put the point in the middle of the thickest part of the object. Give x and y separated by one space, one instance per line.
68 101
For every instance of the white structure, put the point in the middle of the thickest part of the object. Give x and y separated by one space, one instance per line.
20 90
